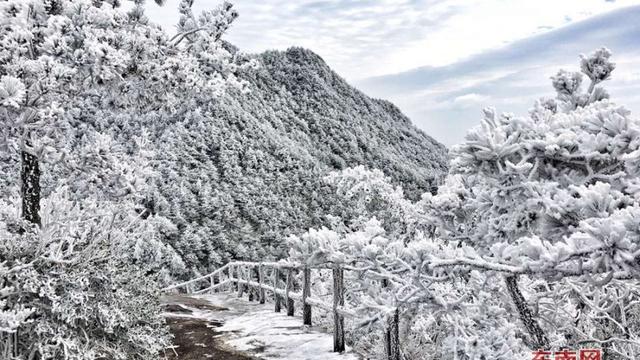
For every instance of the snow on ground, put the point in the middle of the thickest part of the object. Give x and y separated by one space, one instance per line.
258 330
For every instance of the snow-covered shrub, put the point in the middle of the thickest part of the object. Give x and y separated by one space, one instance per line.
369 193
83 286
441 314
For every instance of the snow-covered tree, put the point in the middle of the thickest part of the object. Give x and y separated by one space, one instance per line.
554 194
81 82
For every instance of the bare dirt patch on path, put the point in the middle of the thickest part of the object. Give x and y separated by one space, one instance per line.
196 338
224 327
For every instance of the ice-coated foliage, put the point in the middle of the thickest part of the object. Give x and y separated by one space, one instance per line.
86 285
531 242
81 83
554 195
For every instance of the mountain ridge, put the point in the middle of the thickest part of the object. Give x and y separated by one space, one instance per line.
251 167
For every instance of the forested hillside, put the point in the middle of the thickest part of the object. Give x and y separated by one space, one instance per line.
239 177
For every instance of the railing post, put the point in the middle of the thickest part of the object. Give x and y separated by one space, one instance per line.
306 293
250 289
392 337
276 297
255 274
213 283
234 284
7 350
288 288
11 344
261 281
338 301
240 285
6 345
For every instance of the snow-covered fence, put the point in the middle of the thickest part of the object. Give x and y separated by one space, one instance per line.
242 276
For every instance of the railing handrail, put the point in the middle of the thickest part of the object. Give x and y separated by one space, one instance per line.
195 280
279 264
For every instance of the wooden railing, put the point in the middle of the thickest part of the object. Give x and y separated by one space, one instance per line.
242 276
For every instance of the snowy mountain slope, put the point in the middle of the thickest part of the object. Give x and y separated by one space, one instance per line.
341 126
239 179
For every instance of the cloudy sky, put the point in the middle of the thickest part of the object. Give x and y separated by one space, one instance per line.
441 61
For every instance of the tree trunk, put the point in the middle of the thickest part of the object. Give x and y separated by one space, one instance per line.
539 338
30 177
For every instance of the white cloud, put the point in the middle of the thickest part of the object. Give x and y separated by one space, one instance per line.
440 99
363 38
468 100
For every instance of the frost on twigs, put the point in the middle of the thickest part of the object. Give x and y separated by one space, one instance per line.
567 84
554 197
597 65
80 285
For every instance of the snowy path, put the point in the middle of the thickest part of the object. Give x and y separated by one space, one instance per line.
222 326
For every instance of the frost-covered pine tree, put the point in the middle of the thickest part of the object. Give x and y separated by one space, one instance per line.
80 82
555 195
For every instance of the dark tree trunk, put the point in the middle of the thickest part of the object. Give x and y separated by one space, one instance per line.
30 177
539 338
